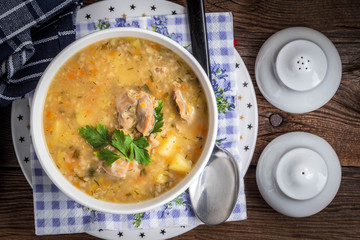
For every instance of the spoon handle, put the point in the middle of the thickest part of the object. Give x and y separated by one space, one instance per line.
198 33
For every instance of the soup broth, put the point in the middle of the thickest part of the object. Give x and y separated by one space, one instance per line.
118 83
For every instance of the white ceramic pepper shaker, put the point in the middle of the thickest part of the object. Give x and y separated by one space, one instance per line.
298 174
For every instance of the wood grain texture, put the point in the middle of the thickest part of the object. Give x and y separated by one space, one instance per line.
338 122
340 220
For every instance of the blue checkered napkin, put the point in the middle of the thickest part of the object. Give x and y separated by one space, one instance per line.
55 213
32 32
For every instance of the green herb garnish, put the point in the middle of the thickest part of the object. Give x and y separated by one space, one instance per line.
129 148
159 121
95 137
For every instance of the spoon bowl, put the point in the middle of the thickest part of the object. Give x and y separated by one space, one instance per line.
214 194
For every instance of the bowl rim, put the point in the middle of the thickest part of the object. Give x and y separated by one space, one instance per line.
39 141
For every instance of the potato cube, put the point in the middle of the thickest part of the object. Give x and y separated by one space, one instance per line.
180 164
161 178
166 147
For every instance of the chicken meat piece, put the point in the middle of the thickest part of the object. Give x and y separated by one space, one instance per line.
145 113
186 111
136 108
126 108
122 168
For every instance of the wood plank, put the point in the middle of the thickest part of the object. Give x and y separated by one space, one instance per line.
339 220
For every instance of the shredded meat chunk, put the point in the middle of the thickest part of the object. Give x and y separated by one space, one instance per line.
145 113
126 107
136 108
186 111
122 168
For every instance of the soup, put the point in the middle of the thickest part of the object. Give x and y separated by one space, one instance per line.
138 107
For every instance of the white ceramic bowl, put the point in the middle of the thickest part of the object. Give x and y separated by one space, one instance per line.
38 136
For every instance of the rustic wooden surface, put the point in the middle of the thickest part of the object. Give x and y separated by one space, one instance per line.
338 122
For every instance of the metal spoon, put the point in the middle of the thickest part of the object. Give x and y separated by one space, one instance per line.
214 194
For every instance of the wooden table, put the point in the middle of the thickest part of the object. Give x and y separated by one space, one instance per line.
338 122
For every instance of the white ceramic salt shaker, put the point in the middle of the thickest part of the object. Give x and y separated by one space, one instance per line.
298 69
298 174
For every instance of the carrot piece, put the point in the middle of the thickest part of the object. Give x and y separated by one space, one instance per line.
140 179
155 46
112 53
150 84
48 128
49 115
71 75
81 73
184 87
94 71
70 167
143 105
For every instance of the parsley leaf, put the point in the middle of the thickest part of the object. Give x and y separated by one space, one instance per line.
159 121
122 143
95 137
128 148
139 146
141 142
108 156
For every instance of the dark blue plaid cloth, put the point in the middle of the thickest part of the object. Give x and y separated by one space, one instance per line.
32 32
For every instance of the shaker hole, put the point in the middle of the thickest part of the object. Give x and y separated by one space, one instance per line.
301 57
299 68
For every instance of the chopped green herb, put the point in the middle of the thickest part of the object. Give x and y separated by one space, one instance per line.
130 68
143 172
91 172
146 88
76 154
151 78
81 178
97 183
159 121
166 96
